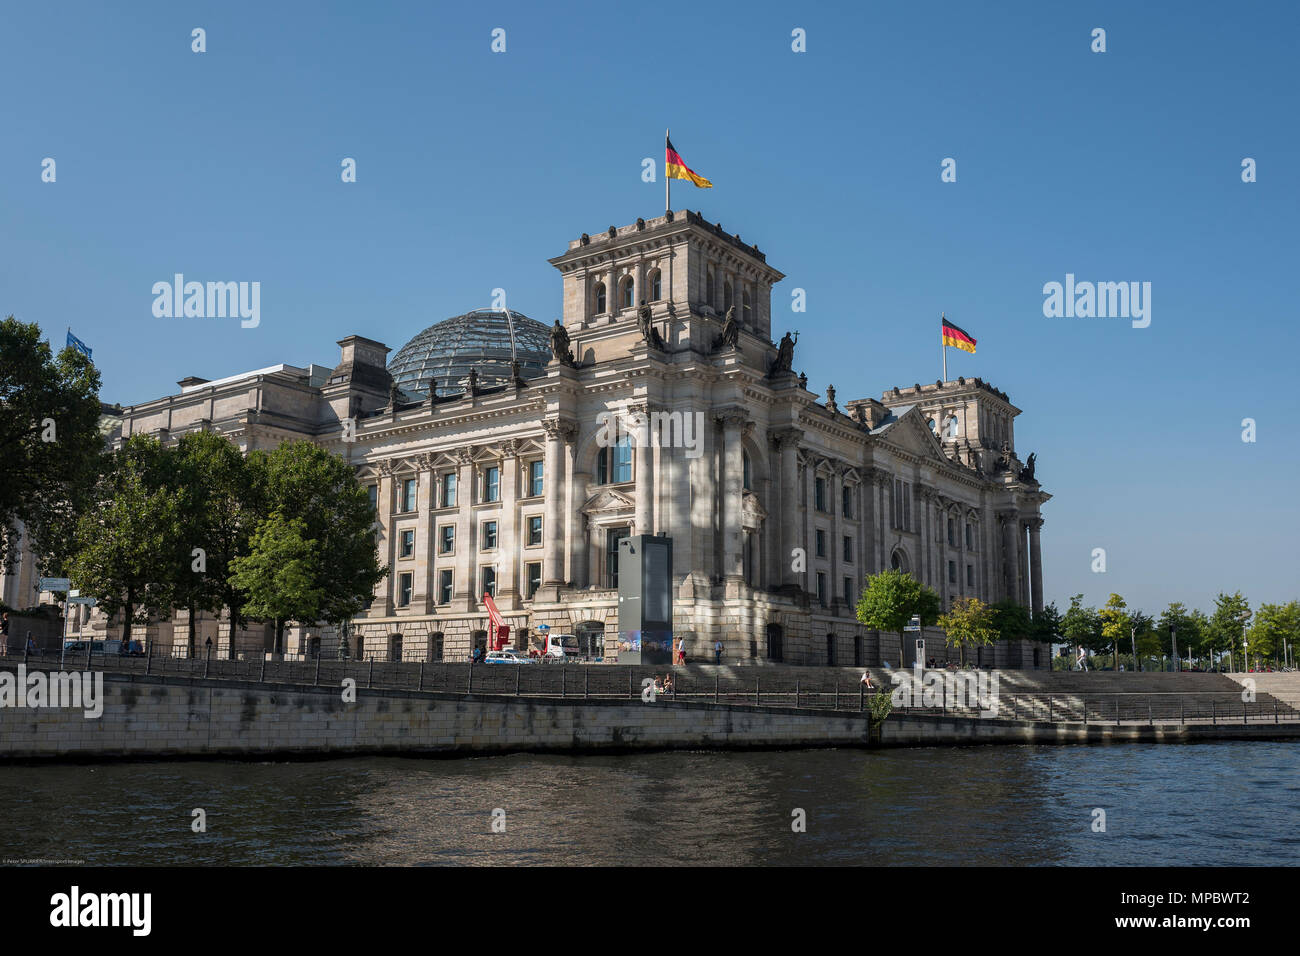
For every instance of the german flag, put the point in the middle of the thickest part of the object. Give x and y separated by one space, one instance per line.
677 168
957 338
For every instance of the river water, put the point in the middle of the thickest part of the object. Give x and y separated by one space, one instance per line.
1204 804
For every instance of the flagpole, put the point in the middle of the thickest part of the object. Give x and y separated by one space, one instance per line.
943 349
668 180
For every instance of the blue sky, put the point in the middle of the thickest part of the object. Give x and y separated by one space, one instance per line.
474 168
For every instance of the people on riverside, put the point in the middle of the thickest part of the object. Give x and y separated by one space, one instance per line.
866 681
717 651
668 684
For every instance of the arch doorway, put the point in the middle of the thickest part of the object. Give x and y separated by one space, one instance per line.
395 647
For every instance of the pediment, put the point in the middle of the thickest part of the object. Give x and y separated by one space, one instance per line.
912 434
607 501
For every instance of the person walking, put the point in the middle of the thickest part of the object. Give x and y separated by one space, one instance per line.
4 635
717 651
681 650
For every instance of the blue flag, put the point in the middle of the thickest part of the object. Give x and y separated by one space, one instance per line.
76 343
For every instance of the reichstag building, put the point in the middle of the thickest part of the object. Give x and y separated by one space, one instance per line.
486 446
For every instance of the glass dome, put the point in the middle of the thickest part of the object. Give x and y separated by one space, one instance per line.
445 352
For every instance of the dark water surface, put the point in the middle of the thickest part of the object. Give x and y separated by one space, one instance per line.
1207 804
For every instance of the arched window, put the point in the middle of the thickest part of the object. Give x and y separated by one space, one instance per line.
435 646
726 296
395 647
898 561
746 313
830 650
951 428
775 637
598 294
934 429
656 286
625 293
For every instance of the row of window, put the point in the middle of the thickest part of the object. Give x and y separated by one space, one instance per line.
952 534
406 499
819 498
626 292
729 299
447 580
849 597
447 537
821 546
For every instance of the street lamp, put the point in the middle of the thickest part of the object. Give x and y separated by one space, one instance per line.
1245 660
1173 635
1132 633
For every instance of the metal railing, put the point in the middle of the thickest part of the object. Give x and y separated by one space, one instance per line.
624 682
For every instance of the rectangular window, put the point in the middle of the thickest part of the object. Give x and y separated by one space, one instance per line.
952 572
970 575
492 484
622 456
404 589
449 490
488 575
952 533
372 495
846 503
821 543
533 574
612 538
821 589
819 494
970 538
535 485
447 539
489 535
535 529
848 549
444 586
408 543
408 494
907 506
848 592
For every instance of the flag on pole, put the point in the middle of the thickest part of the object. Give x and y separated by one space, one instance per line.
956 337
676 167
76 343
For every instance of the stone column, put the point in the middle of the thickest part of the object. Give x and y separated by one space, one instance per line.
462 597
787 442
644 463
1010 524
880 513
571 516
1022 584
732 483
611 293
425 537
837 538
580 548
385 588
1036 563
552 556
508 543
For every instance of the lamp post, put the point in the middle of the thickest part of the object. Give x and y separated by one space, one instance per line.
1173 635
1132 633
1245 660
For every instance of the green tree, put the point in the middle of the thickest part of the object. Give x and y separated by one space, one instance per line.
1046 625
968 624
1231 612
221 508
126 545
281 576
1274 625
1114 625
1081 626
302 481
1177 623
889 601
51 450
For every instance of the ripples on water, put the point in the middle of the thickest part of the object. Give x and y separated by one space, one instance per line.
1210 804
